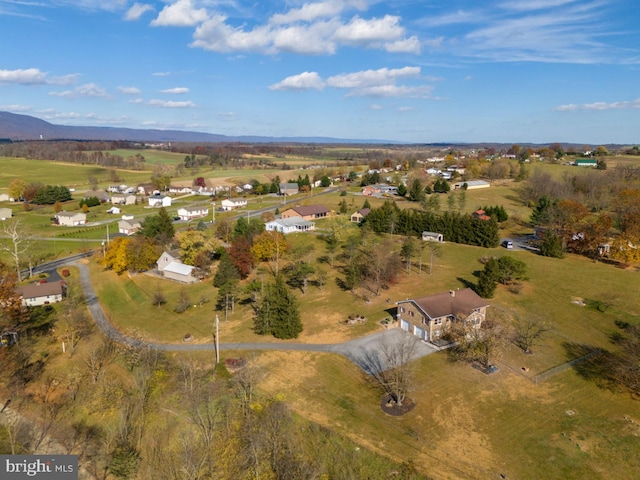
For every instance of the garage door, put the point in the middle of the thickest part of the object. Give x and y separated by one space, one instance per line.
404 325
420 333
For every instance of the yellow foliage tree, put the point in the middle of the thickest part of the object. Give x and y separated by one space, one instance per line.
115 257
269 246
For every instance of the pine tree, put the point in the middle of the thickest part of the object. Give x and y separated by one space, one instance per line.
278 313
227 271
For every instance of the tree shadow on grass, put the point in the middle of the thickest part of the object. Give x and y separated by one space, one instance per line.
591 363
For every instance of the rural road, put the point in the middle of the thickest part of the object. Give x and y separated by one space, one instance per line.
359 351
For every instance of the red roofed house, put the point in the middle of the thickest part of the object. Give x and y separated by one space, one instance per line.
307 212
481 215
429 317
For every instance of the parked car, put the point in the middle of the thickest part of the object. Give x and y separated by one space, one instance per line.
507 244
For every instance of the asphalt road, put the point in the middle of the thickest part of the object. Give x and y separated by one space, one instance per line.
361 351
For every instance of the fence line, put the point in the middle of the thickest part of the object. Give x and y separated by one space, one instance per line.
565 366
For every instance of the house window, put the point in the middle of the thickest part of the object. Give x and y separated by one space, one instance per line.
437 321
424 320
410 313
401 309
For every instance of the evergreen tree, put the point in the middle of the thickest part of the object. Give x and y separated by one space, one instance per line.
551 246
416 191
366 204
227 271
402 190
159 227
278 313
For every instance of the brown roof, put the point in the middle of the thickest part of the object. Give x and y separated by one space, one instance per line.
364 211
36 290
304 210
452 302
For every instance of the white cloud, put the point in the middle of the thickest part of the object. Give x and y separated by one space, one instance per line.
363 32
528 5
15 108
129 90
161 74
303 81
182 13
171 104
375 106
34 76
623 105
313 29
405 109
176 90
407 45
107 5
69 79
86 90
136 100
391 90
366 83
369 78
137 10
313 11
28 76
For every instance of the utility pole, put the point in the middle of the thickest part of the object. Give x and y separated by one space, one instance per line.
217 340
213 219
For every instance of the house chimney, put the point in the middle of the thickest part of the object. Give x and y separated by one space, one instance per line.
452 293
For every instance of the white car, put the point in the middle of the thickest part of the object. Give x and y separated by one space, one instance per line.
507 244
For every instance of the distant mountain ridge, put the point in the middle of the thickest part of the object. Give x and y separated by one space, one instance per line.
24 127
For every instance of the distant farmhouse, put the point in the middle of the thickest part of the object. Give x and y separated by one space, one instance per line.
71 219
159 200
123 199
171 267
290 225
359 215
379 189
228 204
129 226
190 213
288 188
307 212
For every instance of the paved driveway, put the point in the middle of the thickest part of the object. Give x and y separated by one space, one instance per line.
364 352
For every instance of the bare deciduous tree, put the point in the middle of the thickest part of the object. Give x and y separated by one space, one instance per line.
17 242
390 366
528 331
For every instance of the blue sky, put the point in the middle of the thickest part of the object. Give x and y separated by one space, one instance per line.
510 71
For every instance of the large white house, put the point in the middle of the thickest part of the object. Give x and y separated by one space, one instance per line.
71 219
159 200
189 213
290 225
228 204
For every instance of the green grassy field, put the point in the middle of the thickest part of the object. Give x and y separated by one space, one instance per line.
465 424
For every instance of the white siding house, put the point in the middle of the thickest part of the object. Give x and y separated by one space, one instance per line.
189 213
71 219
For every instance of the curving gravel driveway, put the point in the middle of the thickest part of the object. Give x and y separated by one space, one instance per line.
360 351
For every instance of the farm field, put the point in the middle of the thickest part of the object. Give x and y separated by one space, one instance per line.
525 421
